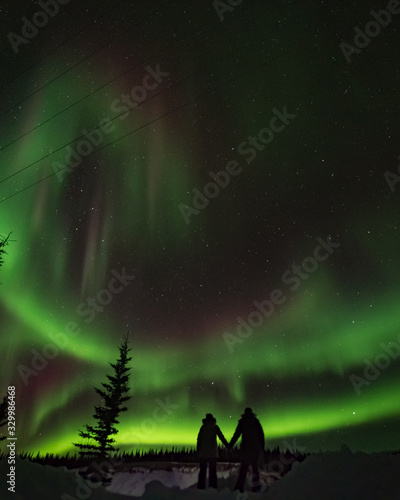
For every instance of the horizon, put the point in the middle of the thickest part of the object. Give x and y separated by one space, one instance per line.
222 186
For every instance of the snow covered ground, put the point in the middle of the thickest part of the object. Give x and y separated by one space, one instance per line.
329 476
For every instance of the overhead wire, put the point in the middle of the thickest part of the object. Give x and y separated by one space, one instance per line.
117 116
71 67
241 75
140 64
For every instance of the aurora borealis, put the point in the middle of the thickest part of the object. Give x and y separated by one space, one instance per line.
181 99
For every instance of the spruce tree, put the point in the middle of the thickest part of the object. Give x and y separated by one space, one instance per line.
113 397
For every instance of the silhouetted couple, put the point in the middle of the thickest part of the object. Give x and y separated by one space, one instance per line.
252 447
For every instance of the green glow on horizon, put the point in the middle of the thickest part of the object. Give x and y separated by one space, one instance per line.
156 372
306 419
66 246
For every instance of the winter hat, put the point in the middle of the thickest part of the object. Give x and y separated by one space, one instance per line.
209 417
248 412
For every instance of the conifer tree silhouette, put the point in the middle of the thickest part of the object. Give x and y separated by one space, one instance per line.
113 396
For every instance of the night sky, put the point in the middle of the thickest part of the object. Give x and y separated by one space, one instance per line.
116 235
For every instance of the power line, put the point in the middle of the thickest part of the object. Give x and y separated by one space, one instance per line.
62 45
136 130
114 118
72 67
87 132
2 148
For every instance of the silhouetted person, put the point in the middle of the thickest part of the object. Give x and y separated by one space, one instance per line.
252 433
207 450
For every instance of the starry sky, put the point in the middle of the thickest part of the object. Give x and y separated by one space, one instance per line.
221 181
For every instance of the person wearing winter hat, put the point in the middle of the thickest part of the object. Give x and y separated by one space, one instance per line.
252 433
207 450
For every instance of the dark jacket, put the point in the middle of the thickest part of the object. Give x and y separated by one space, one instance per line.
252 433
207 439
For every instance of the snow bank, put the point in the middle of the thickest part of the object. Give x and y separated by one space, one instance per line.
38 482
134 482
341 476
329 476
181 479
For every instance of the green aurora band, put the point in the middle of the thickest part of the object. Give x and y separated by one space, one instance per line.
119 210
